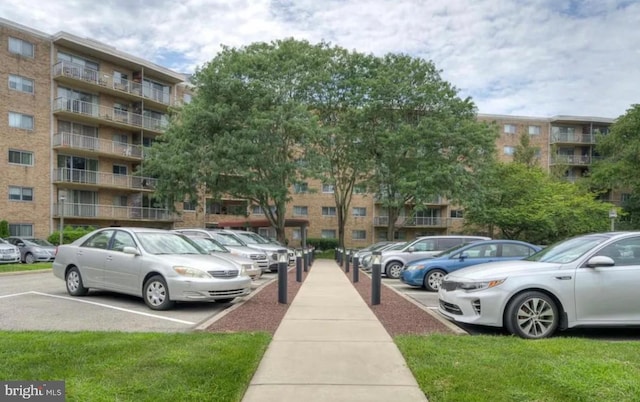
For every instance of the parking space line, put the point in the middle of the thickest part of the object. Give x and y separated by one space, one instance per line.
114 308
15 294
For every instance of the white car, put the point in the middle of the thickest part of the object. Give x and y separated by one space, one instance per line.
9 254
588 281
251 267
160 266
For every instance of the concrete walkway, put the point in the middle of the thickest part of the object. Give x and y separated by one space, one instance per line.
331 347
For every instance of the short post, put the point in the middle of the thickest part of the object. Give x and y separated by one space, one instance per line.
356 269
335 254
376 277
283 259
312 255
299 265
346 261
613 214
340 256
305 260
62 197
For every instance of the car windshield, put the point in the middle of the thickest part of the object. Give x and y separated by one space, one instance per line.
40 242
168 243
250 238
228 239
396 246
451 250
568 250
209 244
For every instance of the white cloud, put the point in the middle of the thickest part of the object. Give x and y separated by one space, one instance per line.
522 57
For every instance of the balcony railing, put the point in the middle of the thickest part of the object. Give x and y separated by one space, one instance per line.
577 160
95 77
113 212
411 221
108 114
76 141
573 138
89 177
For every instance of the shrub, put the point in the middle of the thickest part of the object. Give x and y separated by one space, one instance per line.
4 229
69 235
322 244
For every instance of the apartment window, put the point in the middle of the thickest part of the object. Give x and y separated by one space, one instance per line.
20 193
120 200
21 157
359 235
359 189
257 209
328 211
534 130
625 197
22 121
300 188
457 213
537 152
299 210
509 150
21 47
296 234
22 84
21 229
120 170
78 60
189 206
509 128
327 188
328 234
359 211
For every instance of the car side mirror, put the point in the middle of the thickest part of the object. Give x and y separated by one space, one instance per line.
130 250
20 244
600 261
464 256
411 249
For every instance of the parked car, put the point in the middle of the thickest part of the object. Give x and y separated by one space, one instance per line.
231 242
585 281
9 254
33 249
251 267
364 251
256 241
161 266
428 272
366 257
394 260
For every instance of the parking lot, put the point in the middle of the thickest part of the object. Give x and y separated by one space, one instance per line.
39 301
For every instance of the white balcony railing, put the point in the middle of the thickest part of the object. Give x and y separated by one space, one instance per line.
76 141
79 210
411 222
81 176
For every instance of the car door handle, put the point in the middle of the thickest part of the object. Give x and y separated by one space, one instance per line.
564 278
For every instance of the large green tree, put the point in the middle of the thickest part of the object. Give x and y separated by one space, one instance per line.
240 135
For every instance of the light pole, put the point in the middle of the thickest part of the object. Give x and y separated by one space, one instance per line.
613 214
62 196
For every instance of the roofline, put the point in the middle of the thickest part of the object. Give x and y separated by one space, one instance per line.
21 27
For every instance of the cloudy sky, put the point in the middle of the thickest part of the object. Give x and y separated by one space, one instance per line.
518 57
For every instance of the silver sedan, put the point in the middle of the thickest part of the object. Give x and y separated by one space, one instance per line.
158 265
587 281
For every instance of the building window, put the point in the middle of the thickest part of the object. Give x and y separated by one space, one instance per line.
625 197
21 47
537 152
534 130
120 200
189 206
20 193
359 235
257 210
328 234
21 157
299 210
327 188
296 234
300 188
457 213
510 128
19 120
509 150
22 84
359 189
21 229
80 61
186 98
328 211
120 170
359 211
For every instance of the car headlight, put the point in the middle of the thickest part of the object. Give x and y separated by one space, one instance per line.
191 272
475 286
414 267
244 268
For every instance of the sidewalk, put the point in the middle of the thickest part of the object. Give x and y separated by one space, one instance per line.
331 347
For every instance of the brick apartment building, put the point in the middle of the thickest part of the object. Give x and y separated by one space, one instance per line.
76 117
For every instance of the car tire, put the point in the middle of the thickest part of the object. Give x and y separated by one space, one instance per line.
228 300
532 315
433 279
29 259
393 270
73 279
156 294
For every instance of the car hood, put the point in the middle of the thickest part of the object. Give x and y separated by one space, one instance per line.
7 247
267 247
205 262
244 249
233 258
501 269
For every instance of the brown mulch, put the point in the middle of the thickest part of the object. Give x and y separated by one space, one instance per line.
263 312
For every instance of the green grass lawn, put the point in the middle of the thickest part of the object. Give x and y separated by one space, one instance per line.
116 366
24 267
501 368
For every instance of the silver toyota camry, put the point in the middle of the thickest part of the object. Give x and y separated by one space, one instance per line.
160 266
587 281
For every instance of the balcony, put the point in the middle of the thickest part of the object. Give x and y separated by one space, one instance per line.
96 81
416 222
572 160
112 212
98 114
80 178
95 146
573 138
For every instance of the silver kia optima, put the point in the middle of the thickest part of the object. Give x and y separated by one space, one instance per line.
158 265
588 281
